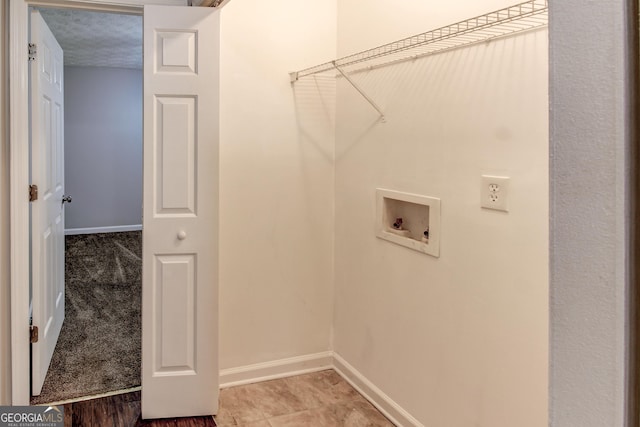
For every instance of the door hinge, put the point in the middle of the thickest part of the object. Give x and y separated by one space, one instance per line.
32 51
33 193
33 334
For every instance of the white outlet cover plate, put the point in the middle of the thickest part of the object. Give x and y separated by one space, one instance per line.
494 192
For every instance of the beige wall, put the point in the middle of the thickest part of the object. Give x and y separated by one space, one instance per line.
276 183
5 365
459 340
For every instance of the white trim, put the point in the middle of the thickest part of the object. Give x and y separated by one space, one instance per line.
319 362
276 369
126 6
373 394
95 230
19 167
209 3
93 396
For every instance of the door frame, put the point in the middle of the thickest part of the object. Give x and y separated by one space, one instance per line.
633 390
19 170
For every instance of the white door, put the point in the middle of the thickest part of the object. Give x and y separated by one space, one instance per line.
180 220
47 220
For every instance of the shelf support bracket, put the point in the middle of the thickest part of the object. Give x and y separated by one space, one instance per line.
364 95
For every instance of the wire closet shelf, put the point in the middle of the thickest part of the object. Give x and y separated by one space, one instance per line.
521 17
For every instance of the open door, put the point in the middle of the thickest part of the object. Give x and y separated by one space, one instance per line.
180 219
47 211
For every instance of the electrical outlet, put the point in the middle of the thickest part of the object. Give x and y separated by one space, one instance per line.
494 192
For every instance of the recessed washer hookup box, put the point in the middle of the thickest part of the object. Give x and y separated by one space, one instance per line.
410 220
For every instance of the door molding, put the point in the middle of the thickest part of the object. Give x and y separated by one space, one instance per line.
633 385
122 6
19 182
19 171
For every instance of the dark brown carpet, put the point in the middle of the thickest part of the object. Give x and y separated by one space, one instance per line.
99 347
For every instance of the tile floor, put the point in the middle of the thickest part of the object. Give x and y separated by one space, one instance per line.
322 399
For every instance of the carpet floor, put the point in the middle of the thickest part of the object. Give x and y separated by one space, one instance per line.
99 348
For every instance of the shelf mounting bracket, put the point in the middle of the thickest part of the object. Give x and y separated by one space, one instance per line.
364 95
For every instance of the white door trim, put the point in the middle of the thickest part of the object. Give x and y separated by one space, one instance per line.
19 183
125 6
19 170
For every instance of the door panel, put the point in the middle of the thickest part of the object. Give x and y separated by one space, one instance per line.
47 172
176 155
180 220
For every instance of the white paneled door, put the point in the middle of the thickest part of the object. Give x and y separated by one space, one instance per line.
47 172
180 220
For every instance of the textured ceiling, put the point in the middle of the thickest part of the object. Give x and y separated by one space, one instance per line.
96 39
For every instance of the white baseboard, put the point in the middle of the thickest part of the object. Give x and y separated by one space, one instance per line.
276 369
95 230
373 394
318 362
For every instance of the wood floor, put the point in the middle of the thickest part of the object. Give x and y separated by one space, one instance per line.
122 410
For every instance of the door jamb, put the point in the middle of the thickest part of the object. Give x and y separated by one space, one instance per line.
19 205
633 408
19 173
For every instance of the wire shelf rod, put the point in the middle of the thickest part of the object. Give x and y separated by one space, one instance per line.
359 89
520 17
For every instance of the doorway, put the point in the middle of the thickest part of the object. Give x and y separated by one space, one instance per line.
98 350
181 215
